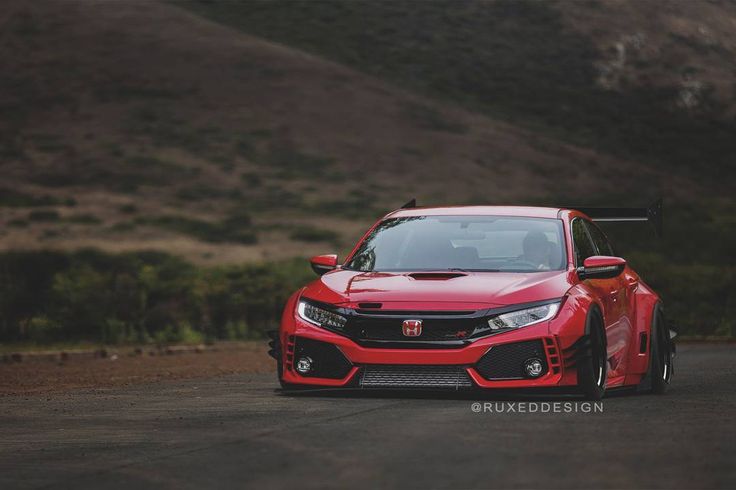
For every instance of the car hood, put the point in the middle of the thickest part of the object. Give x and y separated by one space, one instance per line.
470 290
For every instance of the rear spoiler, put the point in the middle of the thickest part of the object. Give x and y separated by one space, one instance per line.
652 214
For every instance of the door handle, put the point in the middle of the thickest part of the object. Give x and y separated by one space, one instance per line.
632 283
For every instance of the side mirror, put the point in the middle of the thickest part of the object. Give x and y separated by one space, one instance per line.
323 263
601 267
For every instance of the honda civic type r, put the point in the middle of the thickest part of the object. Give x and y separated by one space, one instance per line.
481 297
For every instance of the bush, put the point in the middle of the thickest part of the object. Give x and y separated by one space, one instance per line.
312 234
84 219
43 215
235 228
42 329
14 199
139 297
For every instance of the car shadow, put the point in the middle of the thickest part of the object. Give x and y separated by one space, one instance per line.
417 394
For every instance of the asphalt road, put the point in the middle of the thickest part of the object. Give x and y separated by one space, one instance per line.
238 431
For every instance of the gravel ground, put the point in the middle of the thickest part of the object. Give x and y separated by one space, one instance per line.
126 368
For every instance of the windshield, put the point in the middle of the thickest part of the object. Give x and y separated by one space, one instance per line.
470 243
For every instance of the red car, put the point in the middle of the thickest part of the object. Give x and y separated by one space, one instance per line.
488 297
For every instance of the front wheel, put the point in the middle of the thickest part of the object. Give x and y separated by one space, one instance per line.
593 365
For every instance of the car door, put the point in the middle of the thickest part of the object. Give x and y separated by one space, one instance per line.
601 288
619 332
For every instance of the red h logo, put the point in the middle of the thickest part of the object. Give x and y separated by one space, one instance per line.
412 328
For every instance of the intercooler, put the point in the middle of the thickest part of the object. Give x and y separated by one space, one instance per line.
411 376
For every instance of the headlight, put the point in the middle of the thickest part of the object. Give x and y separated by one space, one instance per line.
522 318
320 317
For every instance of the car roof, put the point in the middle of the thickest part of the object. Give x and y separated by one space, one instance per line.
522 211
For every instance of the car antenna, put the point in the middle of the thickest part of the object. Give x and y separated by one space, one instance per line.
410 204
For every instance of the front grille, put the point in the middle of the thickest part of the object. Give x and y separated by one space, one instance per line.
329 361
449 329
390 329
506 361
452 329
411 376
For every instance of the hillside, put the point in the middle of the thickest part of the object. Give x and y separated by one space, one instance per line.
227 133
648 81
140 125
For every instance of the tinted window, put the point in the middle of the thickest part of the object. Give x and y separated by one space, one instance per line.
476 243
583 245
599 239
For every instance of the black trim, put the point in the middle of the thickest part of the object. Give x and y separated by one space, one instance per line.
470 317
411 204
506 361
274 344
652 214
329 361
429 344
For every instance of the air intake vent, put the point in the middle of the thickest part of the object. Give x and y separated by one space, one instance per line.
435 276
420 377
643 343
506 361
369 305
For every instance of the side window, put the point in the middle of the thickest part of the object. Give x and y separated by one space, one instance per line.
583 246
599 239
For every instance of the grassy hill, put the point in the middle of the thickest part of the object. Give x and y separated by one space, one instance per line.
143 125
648 81
226 133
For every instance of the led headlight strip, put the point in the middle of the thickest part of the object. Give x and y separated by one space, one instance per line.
320 317
525 317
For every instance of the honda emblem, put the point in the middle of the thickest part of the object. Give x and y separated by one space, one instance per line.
412 328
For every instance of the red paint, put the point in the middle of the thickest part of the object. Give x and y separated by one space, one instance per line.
625 301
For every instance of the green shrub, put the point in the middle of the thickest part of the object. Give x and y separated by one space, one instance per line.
41 329
139 297
44 215
235 229
18 223
128 208
312 234
15 199
84 219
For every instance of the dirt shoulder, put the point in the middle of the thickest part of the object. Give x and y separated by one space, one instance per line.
130 367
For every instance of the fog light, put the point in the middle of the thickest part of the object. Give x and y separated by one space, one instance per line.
304 365
533 367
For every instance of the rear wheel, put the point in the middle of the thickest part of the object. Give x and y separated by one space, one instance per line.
593 367
661 355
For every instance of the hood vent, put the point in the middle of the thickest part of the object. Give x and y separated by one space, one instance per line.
435 276
369 305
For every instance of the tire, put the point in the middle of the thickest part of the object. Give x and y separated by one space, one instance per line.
593 367
661 355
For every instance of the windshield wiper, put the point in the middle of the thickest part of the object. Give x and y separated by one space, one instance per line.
458 269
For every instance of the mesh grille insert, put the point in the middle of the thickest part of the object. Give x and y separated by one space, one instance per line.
329 361
410 376
506 361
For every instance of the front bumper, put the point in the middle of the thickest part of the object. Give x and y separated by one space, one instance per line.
491 362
